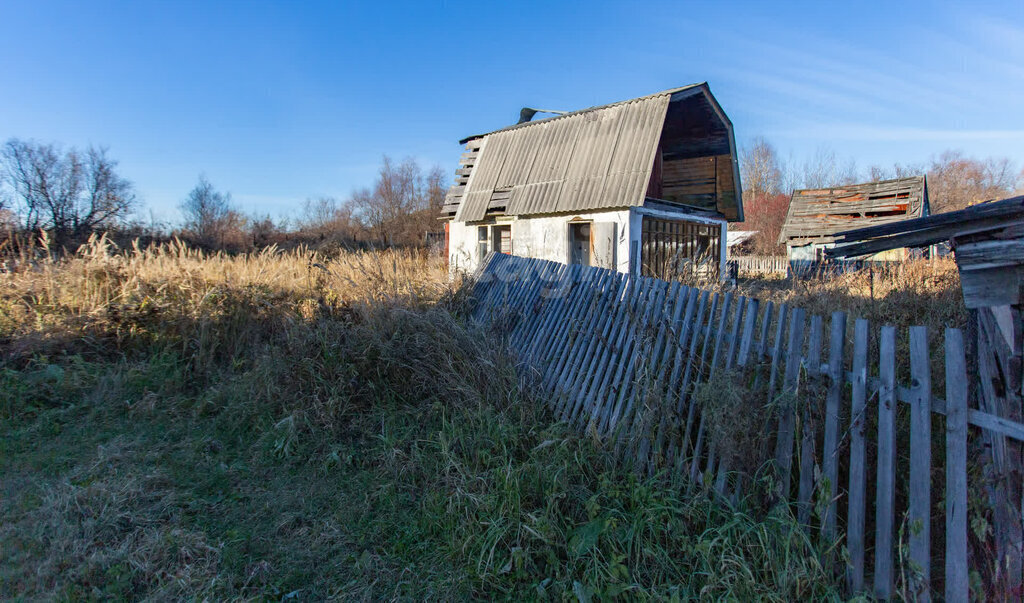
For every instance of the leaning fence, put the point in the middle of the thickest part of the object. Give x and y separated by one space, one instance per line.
631 359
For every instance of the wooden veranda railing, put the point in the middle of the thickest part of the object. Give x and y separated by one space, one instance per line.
625 358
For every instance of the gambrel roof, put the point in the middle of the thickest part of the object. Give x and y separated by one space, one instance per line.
818 215
600 158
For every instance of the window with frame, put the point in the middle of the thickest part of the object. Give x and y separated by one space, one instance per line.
481 237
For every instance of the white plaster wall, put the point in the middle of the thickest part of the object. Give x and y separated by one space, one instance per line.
543 237
462 247
547 237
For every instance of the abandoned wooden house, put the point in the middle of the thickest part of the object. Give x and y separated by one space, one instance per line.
645 186
988 244
816 216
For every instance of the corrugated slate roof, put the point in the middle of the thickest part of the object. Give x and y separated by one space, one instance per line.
818 215
596 158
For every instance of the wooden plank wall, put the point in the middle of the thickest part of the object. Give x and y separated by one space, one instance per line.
699 181
624 358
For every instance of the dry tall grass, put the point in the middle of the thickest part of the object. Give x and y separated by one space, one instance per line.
916 292
46 300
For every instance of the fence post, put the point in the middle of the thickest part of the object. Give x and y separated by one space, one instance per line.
956 467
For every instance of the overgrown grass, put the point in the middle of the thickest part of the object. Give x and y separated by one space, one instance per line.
274 426
916 292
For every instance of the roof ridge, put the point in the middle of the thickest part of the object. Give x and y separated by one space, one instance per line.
527 124
855 184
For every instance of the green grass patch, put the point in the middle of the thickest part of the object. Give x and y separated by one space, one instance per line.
376 454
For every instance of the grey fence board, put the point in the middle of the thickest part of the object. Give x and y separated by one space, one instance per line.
830 454
885 488
919 514
956 467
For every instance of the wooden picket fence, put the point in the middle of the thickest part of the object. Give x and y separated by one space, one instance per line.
624 358
760 265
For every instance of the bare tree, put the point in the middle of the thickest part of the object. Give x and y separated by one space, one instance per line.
824 170
956 181
898 170
69 193
436 191
327 219
760 169
402 204
209 214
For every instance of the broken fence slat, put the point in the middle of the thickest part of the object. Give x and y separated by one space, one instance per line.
713 369
669 335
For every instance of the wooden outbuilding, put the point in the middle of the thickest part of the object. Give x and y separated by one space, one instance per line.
816 216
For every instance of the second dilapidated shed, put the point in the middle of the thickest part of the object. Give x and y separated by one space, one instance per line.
816 216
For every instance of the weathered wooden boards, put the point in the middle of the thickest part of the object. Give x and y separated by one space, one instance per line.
623 359
822 213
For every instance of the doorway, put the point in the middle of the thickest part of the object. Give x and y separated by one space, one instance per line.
579 243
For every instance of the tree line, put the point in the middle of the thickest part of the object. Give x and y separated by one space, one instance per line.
71 193
955 181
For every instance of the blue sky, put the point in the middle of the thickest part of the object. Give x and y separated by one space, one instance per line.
277 102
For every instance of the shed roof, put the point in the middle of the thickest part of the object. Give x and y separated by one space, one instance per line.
818 215
593 159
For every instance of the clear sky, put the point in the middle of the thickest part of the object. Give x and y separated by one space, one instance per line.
280 101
